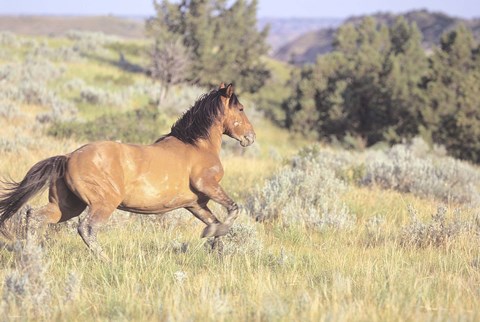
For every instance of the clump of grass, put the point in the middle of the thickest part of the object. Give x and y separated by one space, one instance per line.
241 239
8 110
73 286
436 233
26 287
177 246
180 277
374 231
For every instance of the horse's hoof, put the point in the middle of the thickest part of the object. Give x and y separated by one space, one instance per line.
215 230
222 230
209 231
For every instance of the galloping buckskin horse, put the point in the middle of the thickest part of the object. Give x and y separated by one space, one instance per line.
180 170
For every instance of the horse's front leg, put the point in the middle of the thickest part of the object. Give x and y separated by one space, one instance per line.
214 226
213 190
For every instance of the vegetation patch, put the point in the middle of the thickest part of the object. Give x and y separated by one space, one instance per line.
140 126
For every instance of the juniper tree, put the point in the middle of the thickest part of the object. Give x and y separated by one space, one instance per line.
223 40
452 116
367 88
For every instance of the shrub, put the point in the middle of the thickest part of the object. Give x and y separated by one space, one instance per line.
241 239
60 54
7 38
307 192
96 96
139 126
16 144
443 178
436 233
90 42
74 84
25 83
8 110
61 110
26 287
179 99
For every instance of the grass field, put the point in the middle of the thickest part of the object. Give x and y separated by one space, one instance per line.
387 235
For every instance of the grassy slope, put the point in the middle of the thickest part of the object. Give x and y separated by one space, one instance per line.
299 274
59 25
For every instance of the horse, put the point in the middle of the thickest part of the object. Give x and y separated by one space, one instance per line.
181 169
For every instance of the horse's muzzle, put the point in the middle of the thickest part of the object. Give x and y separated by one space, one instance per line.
248 139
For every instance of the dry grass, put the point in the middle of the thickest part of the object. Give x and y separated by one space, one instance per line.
298 275
162 270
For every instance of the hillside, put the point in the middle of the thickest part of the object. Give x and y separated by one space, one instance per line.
324 233
306 47
284 30
59 25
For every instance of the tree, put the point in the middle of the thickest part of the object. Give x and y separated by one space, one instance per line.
169 62
223 40
452 116
367 88
406 66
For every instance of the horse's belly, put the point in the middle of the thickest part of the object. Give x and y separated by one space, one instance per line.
160 204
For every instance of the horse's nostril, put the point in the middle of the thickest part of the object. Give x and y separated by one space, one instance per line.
250 138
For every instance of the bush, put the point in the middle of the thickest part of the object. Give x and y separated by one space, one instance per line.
26 287
90 42
26 83
427 175
96 96
139 126
9 110
241 239
436 233
9 39
306 192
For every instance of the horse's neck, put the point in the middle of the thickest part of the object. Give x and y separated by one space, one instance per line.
214 141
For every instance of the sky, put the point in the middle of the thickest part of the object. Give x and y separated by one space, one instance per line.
267 8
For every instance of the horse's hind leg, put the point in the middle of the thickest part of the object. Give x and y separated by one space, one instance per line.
62 205
97 214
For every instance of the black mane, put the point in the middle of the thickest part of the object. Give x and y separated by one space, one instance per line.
196 122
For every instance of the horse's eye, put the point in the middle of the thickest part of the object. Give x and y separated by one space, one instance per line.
241 109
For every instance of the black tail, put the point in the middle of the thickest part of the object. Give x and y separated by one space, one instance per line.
16 194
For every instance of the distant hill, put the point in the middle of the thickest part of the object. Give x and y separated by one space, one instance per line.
284 30
306 47
59 25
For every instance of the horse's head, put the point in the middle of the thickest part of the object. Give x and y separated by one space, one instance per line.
236 123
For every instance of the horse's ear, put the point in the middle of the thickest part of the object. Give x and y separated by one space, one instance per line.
222 85
230 90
